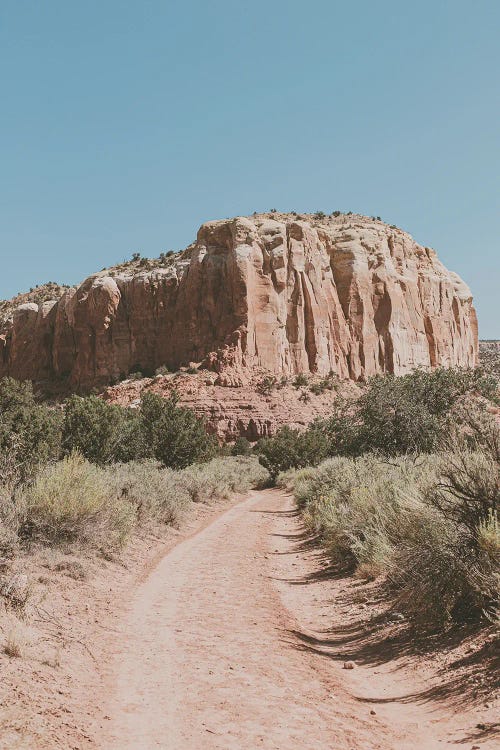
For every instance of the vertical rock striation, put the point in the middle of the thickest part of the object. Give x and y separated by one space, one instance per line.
270 292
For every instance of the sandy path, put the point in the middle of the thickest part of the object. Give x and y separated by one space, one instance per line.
207 657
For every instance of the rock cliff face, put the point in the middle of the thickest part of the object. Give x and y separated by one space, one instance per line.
274 292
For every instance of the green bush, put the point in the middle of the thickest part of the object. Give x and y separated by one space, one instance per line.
409 414
300 380
101 432
394 416
341 429
328 383
241 447
30 433
266 385
291 449
172 434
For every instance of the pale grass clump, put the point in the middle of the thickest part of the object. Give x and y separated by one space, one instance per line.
17 638
11 515
73 501
222 477
488 536
155 493
358 507
163 494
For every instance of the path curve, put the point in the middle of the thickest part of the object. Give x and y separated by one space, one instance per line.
207 657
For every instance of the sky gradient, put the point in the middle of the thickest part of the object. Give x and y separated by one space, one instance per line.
125 125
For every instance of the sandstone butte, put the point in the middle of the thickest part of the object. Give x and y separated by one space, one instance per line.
271 293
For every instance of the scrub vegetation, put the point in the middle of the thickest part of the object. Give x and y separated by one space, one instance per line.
404 487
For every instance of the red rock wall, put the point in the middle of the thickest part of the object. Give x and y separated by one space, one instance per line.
352 295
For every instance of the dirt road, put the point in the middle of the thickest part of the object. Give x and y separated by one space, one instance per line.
209 656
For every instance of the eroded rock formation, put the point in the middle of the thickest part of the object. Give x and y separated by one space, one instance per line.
272 292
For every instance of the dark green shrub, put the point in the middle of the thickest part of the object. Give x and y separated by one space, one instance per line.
300 380
266 385
173 434
328 383
241 447
291 449
101 432
341 429
30 433
409 414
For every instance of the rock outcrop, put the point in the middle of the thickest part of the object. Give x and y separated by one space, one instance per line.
274 292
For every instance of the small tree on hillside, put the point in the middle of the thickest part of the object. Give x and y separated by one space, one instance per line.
101 432
173 434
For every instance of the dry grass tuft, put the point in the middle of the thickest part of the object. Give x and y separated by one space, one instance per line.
17 640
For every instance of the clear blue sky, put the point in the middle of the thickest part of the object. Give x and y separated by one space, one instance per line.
126 124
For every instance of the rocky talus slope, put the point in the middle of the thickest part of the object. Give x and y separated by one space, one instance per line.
278 293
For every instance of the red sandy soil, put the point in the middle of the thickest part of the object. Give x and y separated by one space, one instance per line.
235 636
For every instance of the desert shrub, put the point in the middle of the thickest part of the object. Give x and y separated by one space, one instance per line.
10 520
173 434
221 477
459 547
135 375
439 574
241 447
300 380
30 433
73 501
162 370
101 432
328 383
401 415
409 414
266 385
291 449
155 493
469 488
428 526
356 507
341 429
